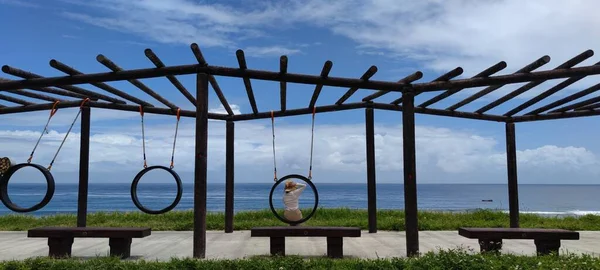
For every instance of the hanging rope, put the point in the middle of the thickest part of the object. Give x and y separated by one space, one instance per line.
143 136
312 135
175 139
274 159
52 112
68 132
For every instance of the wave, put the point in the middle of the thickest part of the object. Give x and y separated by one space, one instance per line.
562 213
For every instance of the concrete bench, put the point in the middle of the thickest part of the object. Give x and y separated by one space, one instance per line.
60 239
546 240
334 236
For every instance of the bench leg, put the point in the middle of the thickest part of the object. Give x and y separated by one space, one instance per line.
60 247
490 245
120 247
278 246
335 247
546 247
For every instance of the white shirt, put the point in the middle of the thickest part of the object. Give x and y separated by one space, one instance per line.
290 199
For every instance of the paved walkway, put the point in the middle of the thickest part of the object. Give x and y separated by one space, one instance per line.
239 244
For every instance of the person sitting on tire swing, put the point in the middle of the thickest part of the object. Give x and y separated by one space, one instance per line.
292 192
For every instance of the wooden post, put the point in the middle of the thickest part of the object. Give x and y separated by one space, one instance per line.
410 174
229 175
513 187
84 158
371 188
200 174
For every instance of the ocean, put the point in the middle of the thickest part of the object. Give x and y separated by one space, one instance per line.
561 200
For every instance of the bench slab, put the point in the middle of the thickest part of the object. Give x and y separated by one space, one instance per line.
335 242
301 231
546 240
518 233
93 232
60 239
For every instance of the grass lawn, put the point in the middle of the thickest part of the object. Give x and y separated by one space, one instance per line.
392 220
454 259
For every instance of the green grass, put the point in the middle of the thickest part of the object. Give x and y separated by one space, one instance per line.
392 220
453 259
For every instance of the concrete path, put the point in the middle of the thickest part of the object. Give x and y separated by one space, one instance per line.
239 244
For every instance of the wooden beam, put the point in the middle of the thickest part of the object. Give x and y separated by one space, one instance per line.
39 107
577 105
297 78
211 79
84 165
229 174
408 79
365 77
566 99
200 166
526 69
51 91
283 64
568 64
159 64
444 77
430 111
513 187
15 100
371 180
553 116
483 74
242 63
324 73
302 111
32 76
72 71
410 175
112 66
26 93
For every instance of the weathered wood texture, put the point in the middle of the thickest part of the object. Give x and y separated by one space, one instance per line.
229 175
371 178
200 166
513 186
410 175
84 157
547 241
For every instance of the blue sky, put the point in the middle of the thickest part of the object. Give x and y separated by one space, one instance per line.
399 37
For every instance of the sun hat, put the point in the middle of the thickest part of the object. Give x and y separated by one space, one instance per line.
290 185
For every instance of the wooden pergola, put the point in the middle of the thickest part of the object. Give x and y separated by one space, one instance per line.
63 89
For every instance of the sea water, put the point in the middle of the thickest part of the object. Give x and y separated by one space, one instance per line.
562 200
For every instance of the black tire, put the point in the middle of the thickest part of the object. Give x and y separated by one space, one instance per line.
137 179
4 188
310 183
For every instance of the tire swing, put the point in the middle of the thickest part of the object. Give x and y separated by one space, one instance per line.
307 180
5 163
45 171
138 177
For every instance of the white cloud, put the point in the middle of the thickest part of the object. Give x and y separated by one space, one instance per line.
270 51
339 150
440 35
19 3
220 109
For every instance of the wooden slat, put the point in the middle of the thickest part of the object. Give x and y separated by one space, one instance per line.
485 73
283 63
324 73
518 233
302 231
242 63
365 77
568 64
526 69
95 232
